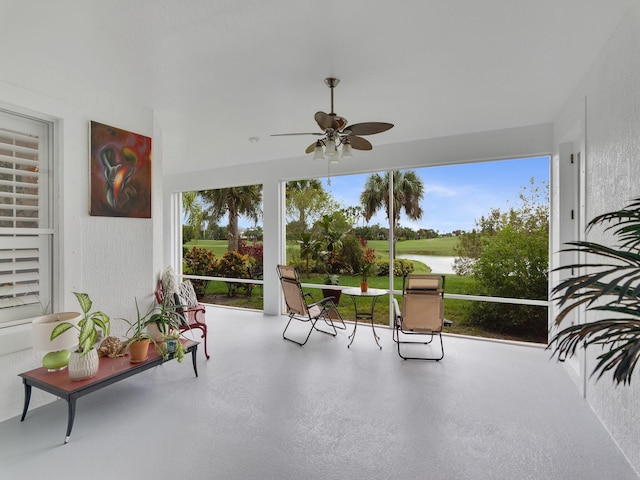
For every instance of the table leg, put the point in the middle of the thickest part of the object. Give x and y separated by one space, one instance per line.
27 398
375 335
71 404
193 359
353 334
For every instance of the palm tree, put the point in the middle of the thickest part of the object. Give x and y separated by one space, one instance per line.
235 201
192 208
610 286
408 191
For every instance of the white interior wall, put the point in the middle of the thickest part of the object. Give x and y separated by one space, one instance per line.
112 259
607 107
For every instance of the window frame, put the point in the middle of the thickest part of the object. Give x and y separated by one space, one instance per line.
44 235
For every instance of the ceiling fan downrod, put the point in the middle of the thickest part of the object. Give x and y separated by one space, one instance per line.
332 83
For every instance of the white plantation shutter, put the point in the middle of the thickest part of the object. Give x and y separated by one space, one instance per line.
26 230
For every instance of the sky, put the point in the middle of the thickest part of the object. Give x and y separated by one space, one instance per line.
455 196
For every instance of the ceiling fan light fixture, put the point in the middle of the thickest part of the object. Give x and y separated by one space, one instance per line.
346 150
334 159
318 153
331 147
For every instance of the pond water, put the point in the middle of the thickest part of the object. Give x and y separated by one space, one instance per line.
436 263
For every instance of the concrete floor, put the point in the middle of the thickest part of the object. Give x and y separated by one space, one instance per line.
263 408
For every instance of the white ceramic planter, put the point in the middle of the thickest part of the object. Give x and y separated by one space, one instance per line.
81 368
41 328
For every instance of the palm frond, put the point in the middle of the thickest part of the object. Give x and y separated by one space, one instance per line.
621 336
611 286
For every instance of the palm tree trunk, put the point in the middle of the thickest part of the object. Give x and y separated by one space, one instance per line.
232 232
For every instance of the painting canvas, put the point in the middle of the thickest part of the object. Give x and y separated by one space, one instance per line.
120 173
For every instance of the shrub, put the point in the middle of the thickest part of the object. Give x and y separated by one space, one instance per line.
401 267
350 255
235 265
200 261
255 251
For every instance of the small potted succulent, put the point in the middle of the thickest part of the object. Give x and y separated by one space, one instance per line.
84 362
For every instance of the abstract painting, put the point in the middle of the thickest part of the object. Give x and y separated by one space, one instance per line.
120 173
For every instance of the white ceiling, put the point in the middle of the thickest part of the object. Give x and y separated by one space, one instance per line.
217 72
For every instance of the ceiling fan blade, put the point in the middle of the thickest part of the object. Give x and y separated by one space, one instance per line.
289 134
311 148
369 128
324 120
359 143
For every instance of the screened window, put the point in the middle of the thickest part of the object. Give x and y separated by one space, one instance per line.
26 229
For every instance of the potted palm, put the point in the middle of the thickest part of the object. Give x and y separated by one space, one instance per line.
610 286
84 362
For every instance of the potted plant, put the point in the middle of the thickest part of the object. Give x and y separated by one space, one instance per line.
138 338
165 318
172 346
335 293
84 362
332 240
368 267
610 287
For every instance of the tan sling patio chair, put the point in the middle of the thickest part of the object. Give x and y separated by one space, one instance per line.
299 309
422 314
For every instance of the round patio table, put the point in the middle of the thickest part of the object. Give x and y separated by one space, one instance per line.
372 293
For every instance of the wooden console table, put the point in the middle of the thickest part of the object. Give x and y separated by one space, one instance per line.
111 370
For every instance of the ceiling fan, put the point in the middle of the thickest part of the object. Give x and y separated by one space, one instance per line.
336 132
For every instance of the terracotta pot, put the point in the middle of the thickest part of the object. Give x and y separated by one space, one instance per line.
139 350
364 286
81 368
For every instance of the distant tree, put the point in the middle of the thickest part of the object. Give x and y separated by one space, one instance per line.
427 233
192 209
309 249
234 201
306 202
408 191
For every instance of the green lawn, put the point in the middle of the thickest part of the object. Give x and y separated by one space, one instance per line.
444 246
218 247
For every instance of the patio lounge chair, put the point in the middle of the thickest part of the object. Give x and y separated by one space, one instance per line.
300 310
422 314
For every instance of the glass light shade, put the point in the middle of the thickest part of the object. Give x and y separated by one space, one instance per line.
331 147
41 328
318 154
346 151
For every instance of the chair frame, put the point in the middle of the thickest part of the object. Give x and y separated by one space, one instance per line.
299 309
399 327
194 317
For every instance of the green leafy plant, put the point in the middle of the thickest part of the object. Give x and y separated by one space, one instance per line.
202 262
611 287
165 317
179 350
235 265
88 326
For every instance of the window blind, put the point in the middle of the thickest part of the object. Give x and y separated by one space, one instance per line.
26 233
